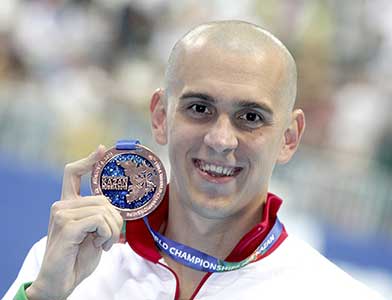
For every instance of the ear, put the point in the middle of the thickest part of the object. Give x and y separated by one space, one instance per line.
292 136
158 117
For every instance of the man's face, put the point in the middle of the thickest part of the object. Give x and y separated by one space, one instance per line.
225 124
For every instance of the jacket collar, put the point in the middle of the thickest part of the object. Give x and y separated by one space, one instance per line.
141 241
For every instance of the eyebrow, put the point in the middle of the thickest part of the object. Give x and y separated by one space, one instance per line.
202 96
239 103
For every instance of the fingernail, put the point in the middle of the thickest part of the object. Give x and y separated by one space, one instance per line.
97 150
106 246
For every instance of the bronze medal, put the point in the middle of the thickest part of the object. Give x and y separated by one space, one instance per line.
134 181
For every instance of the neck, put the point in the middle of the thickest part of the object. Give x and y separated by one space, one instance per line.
214 236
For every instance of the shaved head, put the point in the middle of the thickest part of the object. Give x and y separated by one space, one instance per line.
237 38
227 102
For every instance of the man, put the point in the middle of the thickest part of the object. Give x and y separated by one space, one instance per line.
226 114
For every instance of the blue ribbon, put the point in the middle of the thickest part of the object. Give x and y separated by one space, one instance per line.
127 144
201 261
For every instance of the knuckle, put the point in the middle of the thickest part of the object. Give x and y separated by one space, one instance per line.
100 218
105 201
112 209
99 200
101 211
116 216
102 201
56 206
118 219
68 168
109 209
60 218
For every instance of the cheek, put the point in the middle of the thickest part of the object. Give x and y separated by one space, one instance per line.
183 140
179 135
262 152
184 132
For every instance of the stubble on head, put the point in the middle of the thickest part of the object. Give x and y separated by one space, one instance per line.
239 38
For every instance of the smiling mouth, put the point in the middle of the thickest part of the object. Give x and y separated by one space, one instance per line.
215 170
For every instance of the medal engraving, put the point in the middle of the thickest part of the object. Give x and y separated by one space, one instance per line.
134 181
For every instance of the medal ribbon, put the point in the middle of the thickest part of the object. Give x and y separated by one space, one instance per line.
199 260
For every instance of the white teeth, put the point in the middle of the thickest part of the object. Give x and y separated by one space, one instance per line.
227 171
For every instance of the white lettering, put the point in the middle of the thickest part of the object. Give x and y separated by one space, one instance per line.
177 252
191 258
198 260
161 243
165 246
267 243
213 266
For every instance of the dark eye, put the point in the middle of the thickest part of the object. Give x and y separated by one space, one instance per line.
250 117
200 109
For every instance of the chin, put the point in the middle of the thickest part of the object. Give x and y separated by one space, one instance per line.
212 207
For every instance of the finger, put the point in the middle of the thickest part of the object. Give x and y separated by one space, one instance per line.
115 229
76 231
75 214
108 243
117 217
108 211
74 171
59 208
80 202
110 216
115 222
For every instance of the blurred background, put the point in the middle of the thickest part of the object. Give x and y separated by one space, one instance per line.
77 73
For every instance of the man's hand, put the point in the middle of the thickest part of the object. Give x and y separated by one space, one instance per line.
79 229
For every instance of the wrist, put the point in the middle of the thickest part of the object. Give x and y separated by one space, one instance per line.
34 292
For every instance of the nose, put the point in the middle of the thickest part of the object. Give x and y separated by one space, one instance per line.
221 136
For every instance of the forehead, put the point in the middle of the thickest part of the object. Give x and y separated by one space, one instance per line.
231 74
